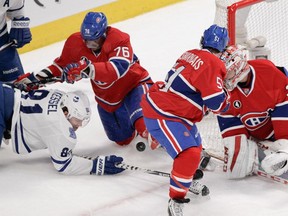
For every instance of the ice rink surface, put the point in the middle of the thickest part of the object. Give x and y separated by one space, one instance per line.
30 186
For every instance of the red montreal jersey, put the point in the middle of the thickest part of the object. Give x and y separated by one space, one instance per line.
191 86
116 71
260 111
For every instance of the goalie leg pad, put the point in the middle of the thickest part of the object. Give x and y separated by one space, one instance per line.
240 156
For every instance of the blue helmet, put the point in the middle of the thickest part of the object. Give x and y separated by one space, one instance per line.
94 26
215 37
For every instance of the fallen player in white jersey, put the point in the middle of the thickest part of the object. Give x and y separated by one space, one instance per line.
48 119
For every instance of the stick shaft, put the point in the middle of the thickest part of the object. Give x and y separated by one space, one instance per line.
7 45
198 174
135 168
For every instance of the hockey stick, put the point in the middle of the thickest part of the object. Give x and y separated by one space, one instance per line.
257 172
39 3
7 45
198 175
35 83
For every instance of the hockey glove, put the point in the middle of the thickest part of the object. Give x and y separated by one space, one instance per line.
106 165
275 163
76 71
20 31
27 82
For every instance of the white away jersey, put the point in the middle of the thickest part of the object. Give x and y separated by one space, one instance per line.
39 123
10 9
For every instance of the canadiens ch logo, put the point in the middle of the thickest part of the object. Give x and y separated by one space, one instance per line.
237 104
254 121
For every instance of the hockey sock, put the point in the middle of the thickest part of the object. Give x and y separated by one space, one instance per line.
184 167
141 127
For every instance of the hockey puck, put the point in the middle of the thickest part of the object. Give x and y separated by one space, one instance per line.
140 146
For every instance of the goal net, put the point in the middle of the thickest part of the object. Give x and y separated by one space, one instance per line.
249 19
245 20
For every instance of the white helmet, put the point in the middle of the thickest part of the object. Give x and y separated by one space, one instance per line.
236 65
78 106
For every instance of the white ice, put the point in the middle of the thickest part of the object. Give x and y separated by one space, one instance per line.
30 186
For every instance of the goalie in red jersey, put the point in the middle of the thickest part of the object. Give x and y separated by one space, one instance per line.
171 109
257 117
104 55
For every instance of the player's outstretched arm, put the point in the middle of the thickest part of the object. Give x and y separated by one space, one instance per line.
32 81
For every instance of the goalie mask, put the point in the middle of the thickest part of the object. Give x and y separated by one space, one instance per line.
78 107
236 65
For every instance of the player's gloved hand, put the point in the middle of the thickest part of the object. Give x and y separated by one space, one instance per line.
104 165
275 163
224 106
20 31
27 82
76 71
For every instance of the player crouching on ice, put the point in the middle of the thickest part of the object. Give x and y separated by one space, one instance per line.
257 118
48 119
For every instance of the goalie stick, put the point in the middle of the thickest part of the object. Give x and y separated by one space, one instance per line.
198 175
257 172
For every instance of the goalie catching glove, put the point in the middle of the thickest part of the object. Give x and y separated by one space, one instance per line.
106 165
76 71
276 162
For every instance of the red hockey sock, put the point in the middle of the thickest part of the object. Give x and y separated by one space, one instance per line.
141 127
184 167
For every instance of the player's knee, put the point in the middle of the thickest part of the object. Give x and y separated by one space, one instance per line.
191 158
126 141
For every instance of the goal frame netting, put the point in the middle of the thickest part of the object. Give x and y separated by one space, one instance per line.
229 14
263 20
